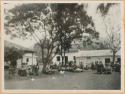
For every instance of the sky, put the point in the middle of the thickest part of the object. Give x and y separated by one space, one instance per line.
114 16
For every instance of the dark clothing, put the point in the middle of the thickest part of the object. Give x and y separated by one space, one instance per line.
100 68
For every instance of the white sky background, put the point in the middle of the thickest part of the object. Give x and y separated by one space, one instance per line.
115 15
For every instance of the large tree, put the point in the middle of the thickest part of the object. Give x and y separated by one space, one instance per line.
72 21
53 26
35 20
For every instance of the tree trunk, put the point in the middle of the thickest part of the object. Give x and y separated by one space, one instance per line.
62 55
64 58
113 58
11 71
46 62
44 70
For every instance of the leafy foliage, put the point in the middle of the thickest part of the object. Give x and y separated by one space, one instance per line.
53 26
12 54
73 21
104 8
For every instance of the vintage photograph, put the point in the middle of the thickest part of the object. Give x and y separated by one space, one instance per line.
62 46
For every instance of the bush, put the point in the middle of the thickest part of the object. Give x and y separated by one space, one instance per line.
22 72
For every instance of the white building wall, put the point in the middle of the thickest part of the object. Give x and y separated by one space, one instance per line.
88 61
31 60
85 60
19 63
70 57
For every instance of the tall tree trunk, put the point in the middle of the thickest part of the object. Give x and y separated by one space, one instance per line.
43 60
113 58
44 70
64 57
62 63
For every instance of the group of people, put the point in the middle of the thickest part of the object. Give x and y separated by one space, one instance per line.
29 70
100 67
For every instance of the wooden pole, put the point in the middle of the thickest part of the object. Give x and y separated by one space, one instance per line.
32 62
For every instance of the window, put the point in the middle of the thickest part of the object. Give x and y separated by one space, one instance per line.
27 60
58 58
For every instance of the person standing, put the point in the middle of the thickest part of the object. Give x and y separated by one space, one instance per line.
81 66
97 67
101 67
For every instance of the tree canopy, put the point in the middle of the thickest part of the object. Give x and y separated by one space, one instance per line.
104 8
53 26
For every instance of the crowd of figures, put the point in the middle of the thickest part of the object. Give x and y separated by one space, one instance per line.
107 68
24 71
99 67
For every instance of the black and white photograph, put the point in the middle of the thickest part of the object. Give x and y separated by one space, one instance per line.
63 46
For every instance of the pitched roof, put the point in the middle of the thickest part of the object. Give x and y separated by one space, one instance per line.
10 45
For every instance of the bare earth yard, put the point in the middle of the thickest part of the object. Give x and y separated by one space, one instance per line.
87 80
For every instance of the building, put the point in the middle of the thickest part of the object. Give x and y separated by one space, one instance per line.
29 58
93 56
68 57
87 57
